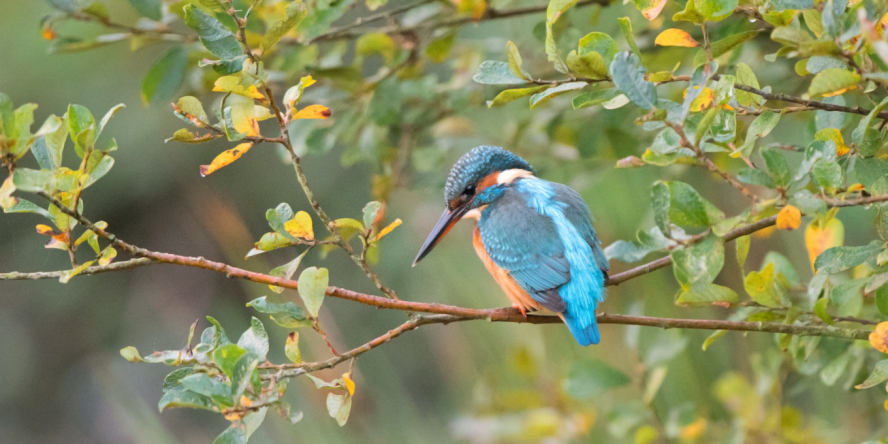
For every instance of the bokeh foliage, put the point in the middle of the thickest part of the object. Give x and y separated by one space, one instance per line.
779 103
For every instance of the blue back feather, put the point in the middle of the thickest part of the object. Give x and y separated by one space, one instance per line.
541 232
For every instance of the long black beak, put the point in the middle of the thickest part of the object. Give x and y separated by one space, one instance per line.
447 221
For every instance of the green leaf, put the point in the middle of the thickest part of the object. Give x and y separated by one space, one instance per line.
828 175
820 310
515 61
882 299
690 14
192 107
213 5
818 64
226 356
626 27
688 208
544 96
33 181
181 398
660 199
255 340
628 76
777 166
26 206
595 98
838 259
590 65
185 136
723 46
557 7
702 295
339 407
700 263
291 349
285 271
278 217
715 10
859 135
236 433
296 12
764 288
783 269
370 211
492 72
439 49
742 245
47 149
242 373
171 381
510 95
212 388
288 314
82 126
148 8
833 81
217 39
598 42
718 333
589 379
879 375
218 334
313 284
745 76
165 77
848 296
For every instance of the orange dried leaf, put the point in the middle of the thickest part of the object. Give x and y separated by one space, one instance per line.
856 187
879 338
479 9
652 12
49 33
233 85
300 226
676 37
349 383
225 158
387 229
789 218
313 112
44 229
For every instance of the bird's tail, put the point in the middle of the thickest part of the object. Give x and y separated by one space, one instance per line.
584 328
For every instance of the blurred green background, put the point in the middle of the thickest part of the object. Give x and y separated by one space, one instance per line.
62 379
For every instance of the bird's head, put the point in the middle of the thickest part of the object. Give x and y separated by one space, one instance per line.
476 180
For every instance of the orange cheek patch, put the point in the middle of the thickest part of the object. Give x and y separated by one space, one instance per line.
488 181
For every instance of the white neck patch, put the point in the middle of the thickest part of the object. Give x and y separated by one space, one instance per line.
508 176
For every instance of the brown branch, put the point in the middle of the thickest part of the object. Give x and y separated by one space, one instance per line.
708 162
490 14
513 315
333 34
162 33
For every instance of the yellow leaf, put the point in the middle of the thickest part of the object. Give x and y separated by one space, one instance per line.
821 238
313 112
387 229
225 158
307 81
855 187
67 275
479 9
765 233
835 135
652 12
703 100
108 255
879 338
232 84
676 37
243 117
292 348
789 218
300 226
349 384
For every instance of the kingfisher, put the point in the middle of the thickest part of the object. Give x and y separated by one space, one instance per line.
534 236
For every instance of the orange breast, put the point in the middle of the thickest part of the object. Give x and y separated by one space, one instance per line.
514 292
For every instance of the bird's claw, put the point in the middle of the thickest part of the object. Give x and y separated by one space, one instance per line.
521 309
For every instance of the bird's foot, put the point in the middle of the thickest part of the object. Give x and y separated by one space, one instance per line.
521 309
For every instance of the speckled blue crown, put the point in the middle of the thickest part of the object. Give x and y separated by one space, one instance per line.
478 164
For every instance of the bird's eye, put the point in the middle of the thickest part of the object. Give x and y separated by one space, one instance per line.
470 190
